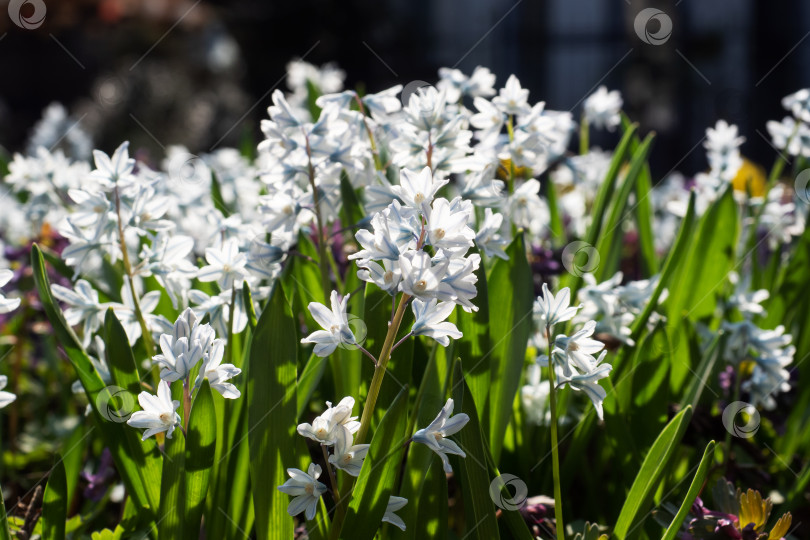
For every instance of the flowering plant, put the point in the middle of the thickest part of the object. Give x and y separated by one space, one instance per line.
412 315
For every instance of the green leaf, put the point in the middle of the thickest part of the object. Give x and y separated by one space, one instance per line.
172 485
308 381
691 495
119 356
475 343
605 193
352 212
610 241
272 410
5 534
432 507
705 368
472 472
379 473
200 445
650 473
54 504
138 463
216 196
674 260
702 276
511 295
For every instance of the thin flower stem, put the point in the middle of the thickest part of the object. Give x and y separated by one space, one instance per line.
145 334
186 403
584 135
367 353
398 343
331 473
368 410
374 151
323 264
555 454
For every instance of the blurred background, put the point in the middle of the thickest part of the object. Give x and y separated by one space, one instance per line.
200 72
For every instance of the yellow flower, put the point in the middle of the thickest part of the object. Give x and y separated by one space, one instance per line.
750 178
505 169
754 510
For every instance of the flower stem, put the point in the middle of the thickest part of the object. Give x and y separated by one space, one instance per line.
186 403
331 473
145 334
323 264
555 454
368 409
584 136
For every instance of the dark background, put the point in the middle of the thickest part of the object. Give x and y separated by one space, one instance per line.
200 74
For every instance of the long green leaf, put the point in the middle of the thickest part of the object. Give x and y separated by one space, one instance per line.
379 473
475 343
136 462
54 504
5 534
702 276
272 409
691 495
172 485
200 444
510 308
472 471
610 242
652 469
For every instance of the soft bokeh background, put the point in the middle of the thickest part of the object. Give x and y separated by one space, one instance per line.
200 73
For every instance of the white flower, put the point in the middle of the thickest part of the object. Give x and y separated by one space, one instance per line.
5 397
489 238
420 278
417 188
458 284
335 324
577 350
602 108
534 396
489 119
158 414
218 373
512 99
386 277
430 320
326 427
798 104
110 171
179 357
435 435
395 503
305 489
447 225
7 304
84 307
588 382
555 309
527 209
226 266
348 457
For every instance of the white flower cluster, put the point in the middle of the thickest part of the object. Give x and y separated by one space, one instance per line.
792 134
572 356
770 351
182 350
